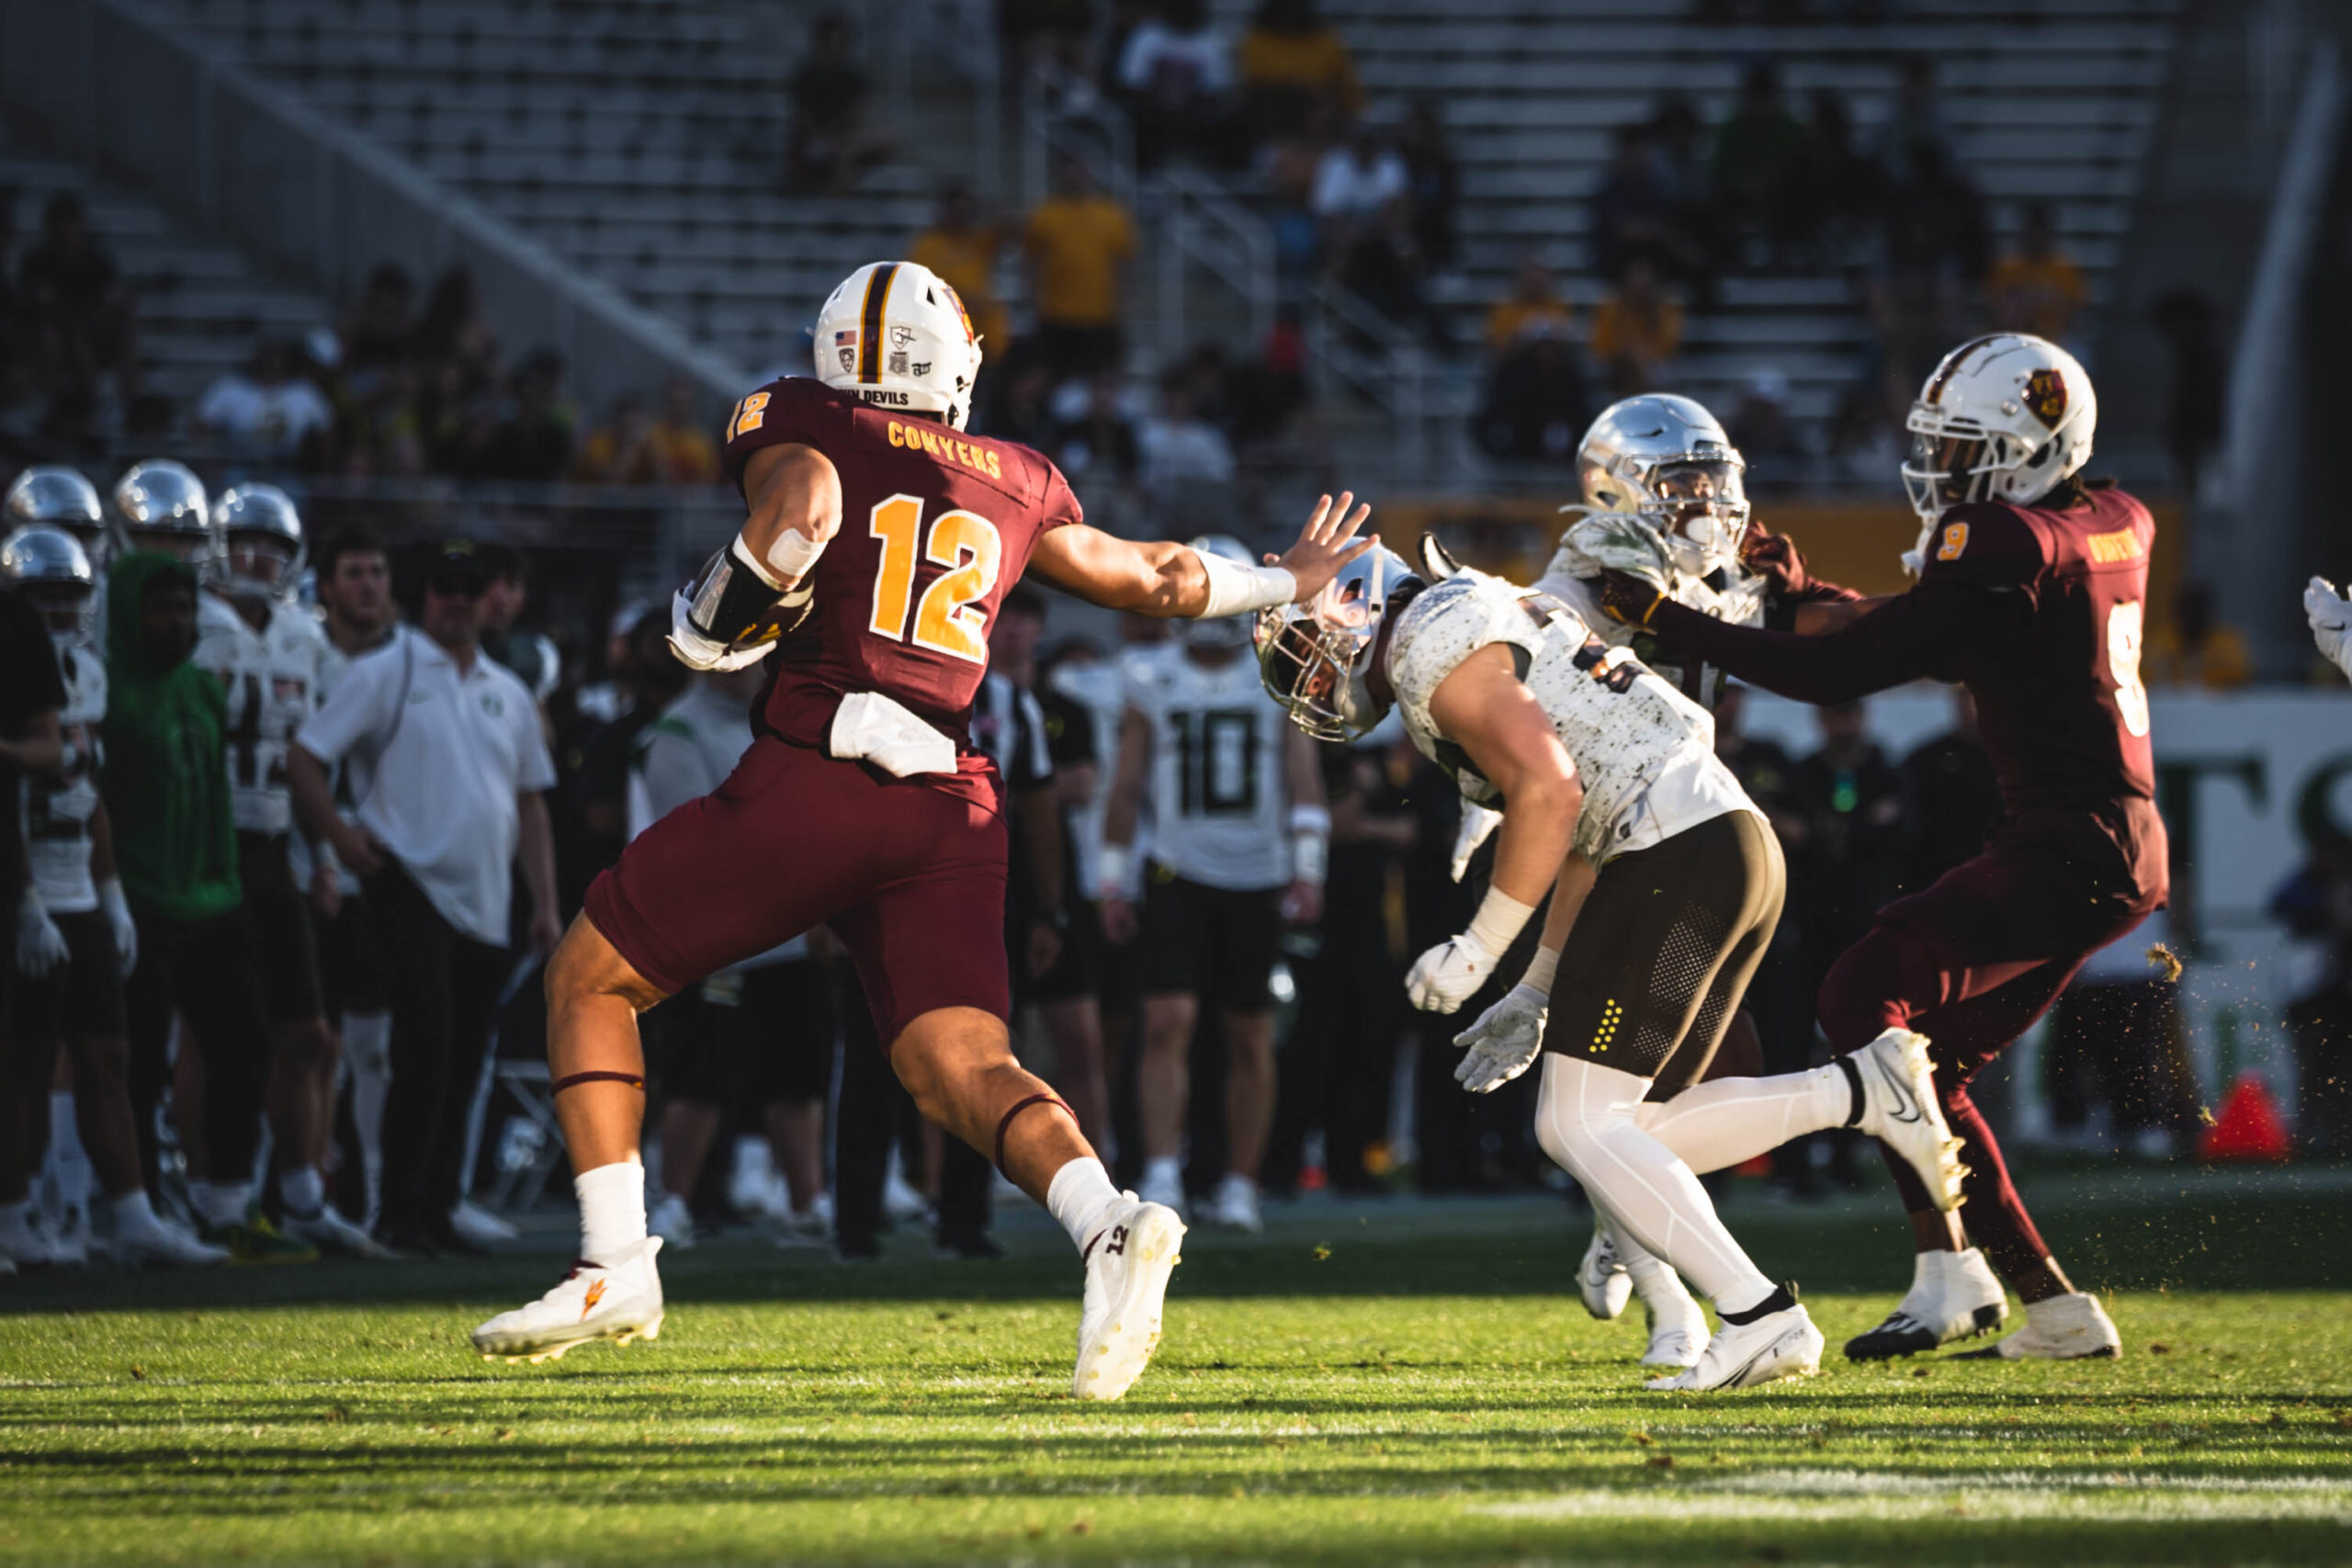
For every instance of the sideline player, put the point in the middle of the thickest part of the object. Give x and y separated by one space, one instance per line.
2331 620
879 542
273 662
1240 839
1666 884
2031 592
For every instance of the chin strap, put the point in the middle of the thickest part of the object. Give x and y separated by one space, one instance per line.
1005 1126
573 1080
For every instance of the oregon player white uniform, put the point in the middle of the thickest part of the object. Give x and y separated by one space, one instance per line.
57 813
1643 752
1219 795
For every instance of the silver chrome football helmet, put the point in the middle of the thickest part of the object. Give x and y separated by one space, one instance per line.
1315 659
53 493
161 506
1668 461
51 570
1219 631
264 516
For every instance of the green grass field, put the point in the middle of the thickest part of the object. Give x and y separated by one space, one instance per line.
1412 1381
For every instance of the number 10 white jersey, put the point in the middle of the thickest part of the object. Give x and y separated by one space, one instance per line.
1220 796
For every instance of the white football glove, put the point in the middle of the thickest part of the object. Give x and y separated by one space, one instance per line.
1619 543
40 946
1505 1041
1478 825
698 651
2331 620
125 930
1450 974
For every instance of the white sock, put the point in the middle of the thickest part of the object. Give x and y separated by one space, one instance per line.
135 1212
221 1202
68 1163
1713 1126
1584 1120
612 1209
1660 1288
1078 1196
368 1053
303 1191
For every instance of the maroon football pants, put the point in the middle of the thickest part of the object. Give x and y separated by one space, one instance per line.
1972 961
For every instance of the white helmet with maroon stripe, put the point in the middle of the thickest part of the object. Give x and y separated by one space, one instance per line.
2004 418
894 334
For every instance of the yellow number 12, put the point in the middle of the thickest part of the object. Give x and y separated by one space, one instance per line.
948 619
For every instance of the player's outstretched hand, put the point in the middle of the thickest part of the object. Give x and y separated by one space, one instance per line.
1327 543
1505 1041
1775 558
1629 598
2331 620
1450 974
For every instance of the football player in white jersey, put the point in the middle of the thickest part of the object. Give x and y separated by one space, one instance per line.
271 660
2331 620
1666 884
1240 838
75 940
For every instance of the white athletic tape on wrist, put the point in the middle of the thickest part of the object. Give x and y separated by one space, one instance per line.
1115 871
739 552
1500 921
793 554
1235 588
1539 971
1310 843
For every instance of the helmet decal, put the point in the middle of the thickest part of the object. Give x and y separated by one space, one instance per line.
961 314
845 346
1951 368
2045 396
878 298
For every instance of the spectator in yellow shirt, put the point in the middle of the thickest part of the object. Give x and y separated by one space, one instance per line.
1534 306
1635 331
2035 289
630 449
962 249
1292 65
1077 243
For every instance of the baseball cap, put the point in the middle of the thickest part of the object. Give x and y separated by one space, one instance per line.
455 567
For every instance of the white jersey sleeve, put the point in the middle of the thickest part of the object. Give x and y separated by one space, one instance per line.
1643 752
55 815
1219 794
272 680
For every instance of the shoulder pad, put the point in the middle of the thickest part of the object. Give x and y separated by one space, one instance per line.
1985 544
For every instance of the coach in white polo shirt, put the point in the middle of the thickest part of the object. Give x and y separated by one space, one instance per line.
447 768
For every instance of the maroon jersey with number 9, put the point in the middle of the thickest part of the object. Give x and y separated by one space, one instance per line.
936 528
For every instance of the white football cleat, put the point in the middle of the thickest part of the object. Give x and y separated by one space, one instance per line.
619 1301
1236 1204
1900 1109
1163 1183
1953 1295
673 1221
2064 1328
478 1225
1782 1344
1127 1266
26 1244
1601 1278
162 1245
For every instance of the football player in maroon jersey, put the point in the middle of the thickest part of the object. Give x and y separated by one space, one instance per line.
2031 590
880 541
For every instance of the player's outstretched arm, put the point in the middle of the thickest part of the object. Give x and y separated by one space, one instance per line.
1171 580
1902 640
725 619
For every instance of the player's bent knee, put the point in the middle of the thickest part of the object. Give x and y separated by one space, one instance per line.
585 964
943 1056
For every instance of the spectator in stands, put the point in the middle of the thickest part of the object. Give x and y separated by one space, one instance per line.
449 768
1095 441
1834 202
1294 68
1532 307
1915 123
1354 183
2035 289
633 449
1022 409
266 412
962 247
1175 76
1264 396
79 302
1634 215
1536 403
1760 426
827 144
1760 150
2197 389
1079 243
1051 35
1290 214
1935 248
2194 648
1386 269
456 345
1179 449
378 333
1434 175
534 441
1634 331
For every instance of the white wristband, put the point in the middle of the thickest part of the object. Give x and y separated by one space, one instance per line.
793 554
1235 588
1500 921
1540 970
1310 858
1113 871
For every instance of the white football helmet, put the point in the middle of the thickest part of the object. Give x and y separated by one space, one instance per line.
894 334
161 506
265 516
48 565
53 494
1218 631
1668 461
2004 418
1315 659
